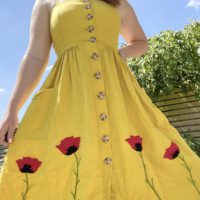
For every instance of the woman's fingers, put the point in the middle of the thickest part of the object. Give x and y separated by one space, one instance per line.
8 127
7 135
5 142
3 131
8 138
10 134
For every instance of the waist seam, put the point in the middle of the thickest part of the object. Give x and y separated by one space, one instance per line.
83 43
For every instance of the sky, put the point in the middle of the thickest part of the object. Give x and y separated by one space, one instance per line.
153 15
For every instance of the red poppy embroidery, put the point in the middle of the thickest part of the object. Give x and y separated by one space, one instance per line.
173 152
136 143
28 165
69 146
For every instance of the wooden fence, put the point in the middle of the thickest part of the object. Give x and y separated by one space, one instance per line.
182 111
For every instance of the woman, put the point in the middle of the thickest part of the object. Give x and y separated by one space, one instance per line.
90 131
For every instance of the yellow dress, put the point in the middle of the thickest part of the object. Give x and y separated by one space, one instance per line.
91 132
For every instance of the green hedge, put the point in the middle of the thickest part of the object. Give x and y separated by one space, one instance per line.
173 61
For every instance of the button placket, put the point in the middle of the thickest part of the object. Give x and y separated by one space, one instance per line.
101 104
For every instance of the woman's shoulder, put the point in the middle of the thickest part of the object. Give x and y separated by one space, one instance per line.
47 4
125 8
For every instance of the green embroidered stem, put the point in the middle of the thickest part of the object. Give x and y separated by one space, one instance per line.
191 179
147 180
24 197
74 194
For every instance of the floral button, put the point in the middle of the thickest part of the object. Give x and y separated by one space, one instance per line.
101 95
89 16
103 116
107 160
90 28
97 75
92 39
105 138
95 55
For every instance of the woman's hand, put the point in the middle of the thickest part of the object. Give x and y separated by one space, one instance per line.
8 127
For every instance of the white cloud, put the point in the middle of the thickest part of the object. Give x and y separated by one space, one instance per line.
194 4
49 67
2 89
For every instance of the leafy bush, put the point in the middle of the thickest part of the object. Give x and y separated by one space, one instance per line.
173 61
194 143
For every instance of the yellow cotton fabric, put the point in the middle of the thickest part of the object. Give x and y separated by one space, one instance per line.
67 106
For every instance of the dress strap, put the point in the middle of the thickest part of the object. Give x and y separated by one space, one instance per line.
57 1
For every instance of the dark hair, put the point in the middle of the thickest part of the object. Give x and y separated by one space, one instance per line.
113 2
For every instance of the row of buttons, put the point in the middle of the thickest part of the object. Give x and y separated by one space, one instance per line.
97 75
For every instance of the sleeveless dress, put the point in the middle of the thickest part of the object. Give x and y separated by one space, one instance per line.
91 132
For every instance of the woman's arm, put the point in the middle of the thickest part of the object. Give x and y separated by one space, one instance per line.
35 58
31 67
132 32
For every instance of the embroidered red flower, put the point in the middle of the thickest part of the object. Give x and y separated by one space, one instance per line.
69 145
135 142
172 152
28 164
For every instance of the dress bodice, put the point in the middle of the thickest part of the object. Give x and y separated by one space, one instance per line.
84 21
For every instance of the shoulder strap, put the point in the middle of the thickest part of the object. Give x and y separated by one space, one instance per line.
57 1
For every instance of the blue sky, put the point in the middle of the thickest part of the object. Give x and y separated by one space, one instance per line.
154 16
